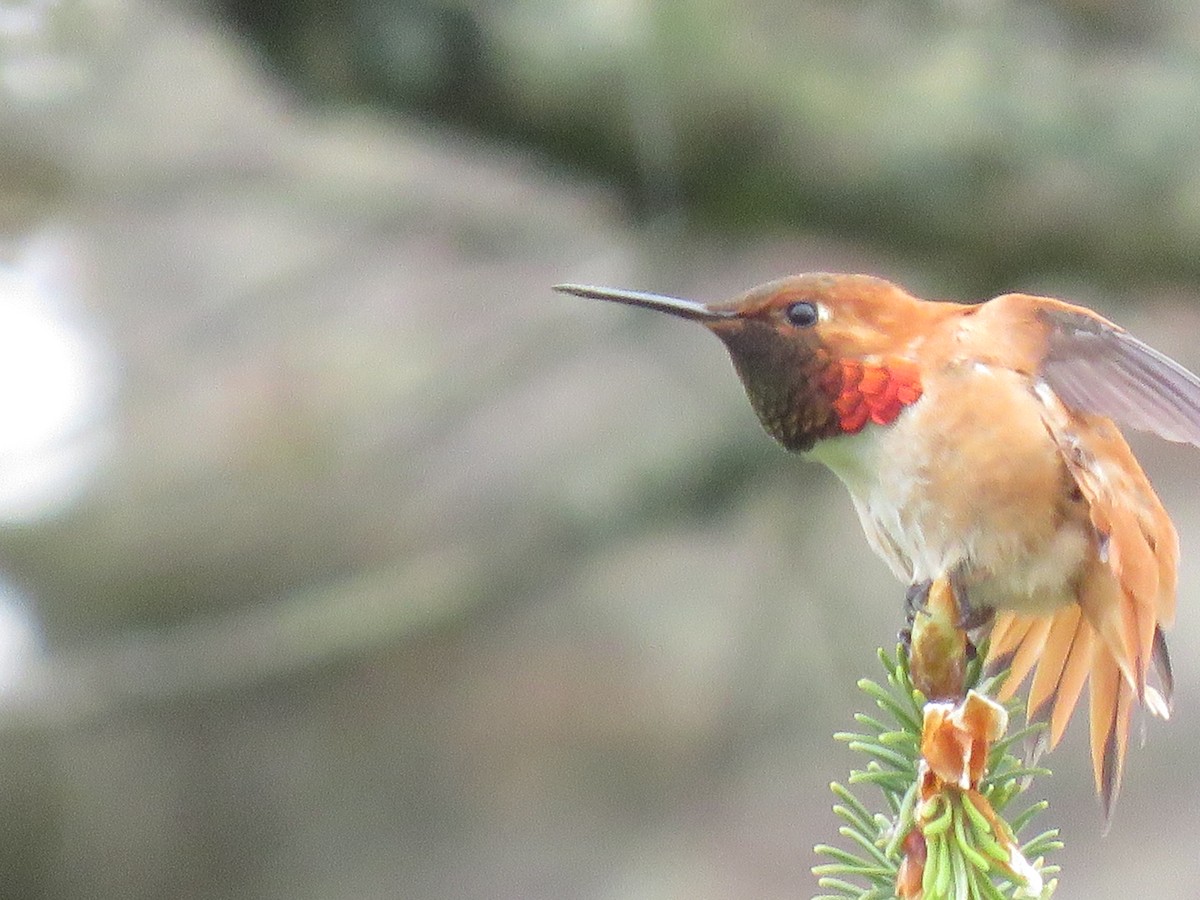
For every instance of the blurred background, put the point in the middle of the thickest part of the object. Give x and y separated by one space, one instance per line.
340 558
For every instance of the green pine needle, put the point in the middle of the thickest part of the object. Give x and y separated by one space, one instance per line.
965 860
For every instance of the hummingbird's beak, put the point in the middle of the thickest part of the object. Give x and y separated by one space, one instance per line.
685 309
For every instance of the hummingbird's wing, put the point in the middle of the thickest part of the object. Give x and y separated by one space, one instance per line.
1098 367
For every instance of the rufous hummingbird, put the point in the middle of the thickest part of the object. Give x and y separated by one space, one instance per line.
979 445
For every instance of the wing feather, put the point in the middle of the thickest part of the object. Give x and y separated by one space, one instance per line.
1098 367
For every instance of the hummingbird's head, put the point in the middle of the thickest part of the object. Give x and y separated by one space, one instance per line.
802 346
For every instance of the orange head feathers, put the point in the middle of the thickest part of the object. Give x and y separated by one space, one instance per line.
809 374
978 443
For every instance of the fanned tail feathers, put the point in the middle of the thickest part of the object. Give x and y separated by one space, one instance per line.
1063 653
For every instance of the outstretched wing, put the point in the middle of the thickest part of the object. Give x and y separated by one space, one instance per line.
1098 367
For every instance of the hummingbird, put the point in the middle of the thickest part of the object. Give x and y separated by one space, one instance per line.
980 446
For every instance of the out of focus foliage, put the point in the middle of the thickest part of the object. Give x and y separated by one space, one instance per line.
991 139
371 566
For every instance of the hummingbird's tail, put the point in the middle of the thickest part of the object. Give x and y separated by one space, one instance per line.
1064 651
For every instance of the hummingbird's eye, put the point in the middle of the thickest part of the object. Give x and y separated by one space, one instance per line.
802 314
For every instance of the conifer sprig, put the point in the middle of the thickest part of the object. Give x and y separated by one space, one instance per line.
932 839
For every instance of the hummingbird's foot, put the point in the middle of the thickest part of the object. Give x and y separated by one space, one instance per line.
974 617
970 617
915 599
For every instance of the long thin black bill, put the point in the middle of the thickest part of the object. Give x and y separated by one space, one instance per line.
686 309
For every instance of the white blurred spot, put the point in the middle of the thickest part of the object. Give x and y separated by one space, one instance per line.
23 19
44 49
53 386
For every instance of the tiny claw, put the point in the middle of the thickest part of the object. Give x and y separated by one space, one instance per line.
970 617
916 599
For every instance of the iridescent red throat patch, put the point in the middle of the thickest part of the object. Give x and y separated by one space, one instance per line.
863 392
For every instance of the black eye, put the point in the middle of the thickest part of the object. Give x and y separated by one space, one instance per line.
802 314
